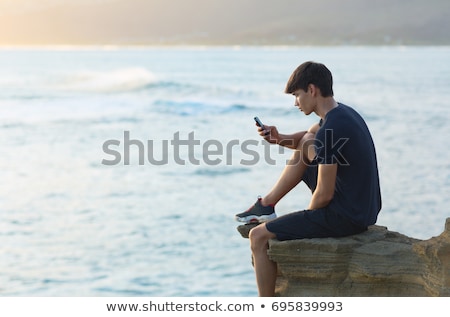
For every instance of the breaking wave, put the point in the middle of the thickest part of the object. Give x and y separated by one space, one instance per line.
118 80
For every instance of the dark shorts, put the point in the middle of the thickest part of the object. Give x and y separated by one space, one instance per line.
318 223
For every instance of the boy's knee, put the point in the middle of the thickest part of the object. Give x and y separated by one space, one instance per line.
253 235
259 237
306 146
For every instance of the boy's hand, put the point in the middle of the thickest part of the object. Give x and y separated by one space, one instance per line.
269 133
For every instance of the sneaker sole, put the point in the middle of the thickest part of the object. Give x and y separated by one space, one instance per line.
252 219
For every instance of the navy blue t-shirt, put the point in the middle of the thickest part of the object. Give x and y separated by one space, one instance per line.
344 138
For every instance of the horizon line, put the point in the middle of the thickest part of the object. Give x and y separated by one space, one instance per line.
111 47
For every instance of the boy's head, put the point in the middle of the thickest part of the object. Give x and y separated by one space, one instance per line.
311 73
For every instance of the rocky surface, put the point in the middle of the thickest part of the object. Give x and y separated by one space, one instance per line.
377 262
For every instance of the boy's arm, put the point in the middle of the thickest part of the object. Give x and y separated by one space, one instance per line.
326 183
291 141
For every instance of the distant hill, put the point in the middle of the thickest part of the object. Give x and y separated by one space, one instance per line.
231 22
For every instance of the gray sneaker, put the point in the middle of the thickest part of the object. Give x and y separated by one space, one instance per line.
257 213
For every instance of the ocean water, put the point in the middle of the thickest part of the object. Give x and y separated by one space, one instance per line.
122 168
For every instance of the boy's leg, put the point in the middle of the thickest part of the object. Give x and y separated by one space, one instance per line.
265 269
263 209
293 171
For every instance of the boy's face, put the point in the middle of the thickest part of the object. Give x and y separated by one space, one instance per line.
304 101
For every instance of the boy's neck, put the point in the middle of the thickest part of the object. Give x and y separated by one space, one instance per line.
324 105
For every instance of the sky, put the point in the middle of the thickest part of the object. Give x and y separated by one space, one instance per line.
117 22
7 6
86 21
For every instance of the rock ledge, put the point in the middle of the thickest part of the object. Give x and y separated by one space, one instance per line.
377 262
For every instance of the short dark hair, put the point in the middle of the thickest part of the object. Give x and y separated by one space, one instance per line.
311 73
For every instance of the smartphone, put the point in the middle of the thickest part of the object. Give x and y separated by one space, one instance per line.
259 123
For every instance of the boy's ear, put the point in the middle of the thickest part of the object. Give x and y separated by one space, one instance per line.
314 90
